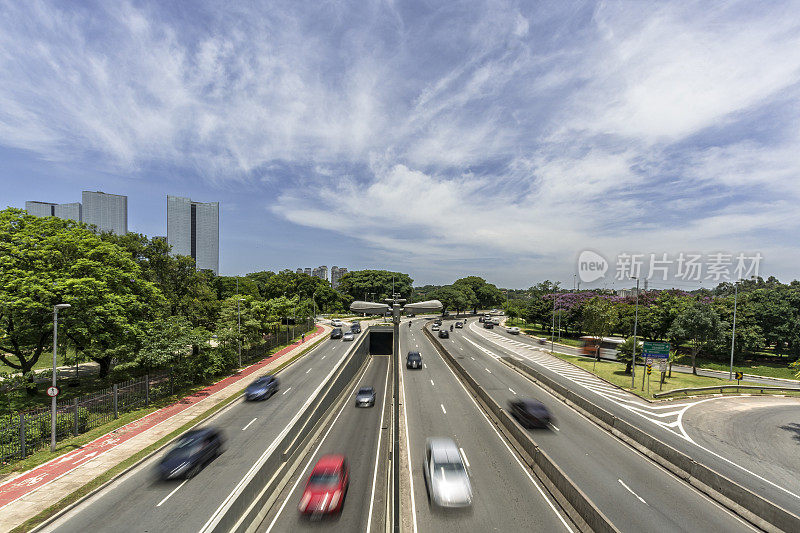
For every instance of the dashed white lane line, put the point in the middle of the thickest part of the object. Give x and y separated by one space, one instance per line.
171 493
471 357
464 455
512 391
287 390
432 384
324 356
309 370
489 371
443 409
554 427
424 365
248 424
631 491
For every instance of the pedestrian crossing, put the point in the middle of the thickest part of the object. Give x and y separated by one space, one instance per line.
667 415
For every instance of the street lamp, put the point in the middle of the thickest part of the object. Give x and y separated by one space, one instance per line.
53 397
635 326
553 328
733 333
239 320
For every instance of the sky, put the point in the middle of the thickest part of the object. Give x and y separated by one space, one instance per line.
440 139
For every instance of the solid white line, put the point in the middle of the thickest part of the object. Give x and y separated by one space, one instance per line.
464 455
313 456
171 493
287 390
512 390
631 491
377 454
248 424
408 451
442 406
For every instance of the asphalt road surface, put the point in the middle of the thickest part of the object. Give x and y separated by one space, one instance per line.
140 502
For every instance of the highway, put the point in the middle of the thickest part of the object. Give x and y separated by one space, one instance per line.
632 491
506 497
355 432
138 501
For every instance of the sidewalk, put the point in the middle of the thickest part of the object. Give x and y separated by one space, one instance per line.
21 497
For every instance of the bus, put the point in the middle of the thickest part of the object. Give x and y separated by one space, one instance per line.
609 346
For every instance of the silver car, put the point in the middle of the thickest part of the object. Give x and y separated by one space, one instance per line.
446 477
348 336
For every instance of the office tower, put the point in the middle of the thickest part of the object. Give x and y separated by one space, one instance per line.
299 271
109 212
336 275
193 230
321 272
307 271
71 211
41 209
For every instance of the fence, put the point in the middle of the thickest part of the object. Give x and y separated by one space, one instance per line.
276 338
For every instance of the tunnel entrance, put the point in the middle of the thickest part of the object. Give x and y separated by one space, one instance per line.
380 342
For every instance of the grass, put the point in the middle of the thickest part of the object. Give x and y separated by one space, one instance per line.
130 461
615 373
534 329
756 368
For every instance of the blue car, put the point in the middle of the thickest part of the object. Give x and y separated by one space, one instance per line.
191 453
262 388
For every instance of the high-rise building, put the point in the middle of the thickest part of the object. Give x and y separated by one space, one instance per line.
307 271
73 211
299 271
336 275
321 272
193 230
41 209
109 212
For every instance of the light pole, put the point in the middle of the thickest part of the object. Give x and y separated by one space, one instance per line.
53 398
239 320
635 326
733 333
553 329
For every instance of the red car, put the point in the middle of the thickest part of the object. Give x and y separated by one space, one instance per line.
326 487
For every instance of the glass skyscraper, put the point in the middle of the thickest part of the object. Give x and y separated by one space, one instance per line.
193 230
109 212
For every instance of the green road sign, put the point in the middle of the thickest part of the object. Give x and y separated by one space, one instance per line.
655 350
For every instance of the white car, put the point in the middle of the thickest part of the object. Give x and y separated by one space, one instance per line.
513 330
336 323
348 336
435 327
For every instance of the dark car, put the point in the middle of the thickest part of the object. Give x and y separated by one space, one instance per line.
530 413
191 453
355 328
410 315
480 319
365 397
459 325
326 487
444 334
336 333
488 325
413 360
262 388
438 321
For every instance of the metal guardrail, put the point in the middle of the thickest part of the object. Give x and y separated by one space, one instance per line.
721 389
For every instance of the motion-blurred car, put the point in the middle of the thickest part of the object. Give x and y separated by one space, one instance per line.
459 324
530 413
488 324
191 453
336 333
513 330
262 388
413 360
348 336
326 487
355 328
435 327
365 397
480 320
444 334
446 477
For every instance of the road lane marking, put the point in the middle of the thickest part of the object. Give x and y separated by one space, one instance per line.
408 450
324 356
313 456
248 424
443 409
287 390
464 455
471 357
512 390
377 454
432 384
489 371
631 491
309 370
424 365
171 493
554 427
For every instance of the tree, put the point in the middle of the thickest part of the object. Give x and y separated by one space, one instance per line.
361 284
454 297
600 318
487 295
625 354
700 325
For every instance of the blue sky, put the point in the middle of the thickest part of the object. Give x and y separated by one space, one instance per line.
436 138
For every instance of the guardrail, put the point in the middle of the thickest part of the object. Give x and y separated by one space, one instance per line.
722 388
741 500
583 506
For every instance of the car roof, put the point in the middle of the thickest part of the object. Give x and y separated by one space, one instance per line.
414 354
366 389
444 450
329 462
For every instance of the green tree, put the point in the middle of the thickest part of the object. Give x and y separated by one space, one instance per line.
700 325
600 317
361 284
487 295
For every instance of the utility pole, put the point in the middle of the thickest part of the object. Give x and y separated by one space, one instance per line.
635 326
553 328
733 333
55 373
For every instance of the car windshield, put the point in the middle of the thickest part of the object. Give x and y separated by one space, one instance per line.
365 390
325 479
449 469
186 447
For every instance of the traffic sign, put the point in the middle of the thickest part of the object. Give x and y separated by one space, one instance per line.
655 350
739 375
649 369
53 391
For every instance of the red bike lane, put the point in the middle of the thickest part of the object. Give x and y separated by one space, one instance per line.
43 474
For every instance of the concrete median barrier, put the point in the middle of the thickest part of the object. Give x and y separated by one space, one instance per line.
744 502
248 499
582 505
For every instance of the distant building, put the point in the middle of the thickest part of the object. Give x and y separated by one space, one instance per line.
336 275
109 212
321 272
193 230
41 209
73 211
307 271
299 271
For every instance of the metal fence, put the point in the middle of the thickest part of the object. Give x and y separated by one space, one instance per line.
26 432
